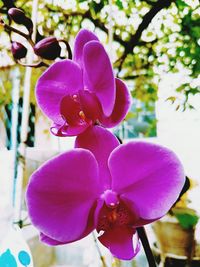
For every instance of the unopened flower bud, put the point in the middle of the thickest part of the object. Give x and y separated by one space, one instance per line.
18 16
18 50
48 48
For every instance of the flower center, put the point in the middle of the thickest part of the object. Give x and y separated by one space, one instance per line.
80 109
110 198
113 212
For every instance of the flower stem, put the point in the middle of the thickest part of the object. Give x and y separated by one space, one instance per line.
99 251
143 237
68 48
36 65
12 29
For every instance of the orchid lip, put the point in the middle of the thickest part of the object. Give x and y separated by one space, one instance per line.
111 198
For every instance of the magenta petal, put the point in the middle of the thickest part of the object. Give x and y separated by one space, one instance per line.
100 142
60 79
121 107
90 226
99 207
119 242
68 130
61 196
98 75
153 177
84 36
49 241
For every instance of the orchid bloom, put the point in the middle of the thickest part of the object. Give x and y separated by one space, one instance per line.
81 92
113 190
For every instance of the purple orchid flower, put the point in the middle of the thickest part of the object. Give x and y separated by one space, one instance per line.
81 92
113 190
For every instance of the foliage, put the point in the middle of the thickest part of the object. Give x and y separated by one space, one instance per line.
187 218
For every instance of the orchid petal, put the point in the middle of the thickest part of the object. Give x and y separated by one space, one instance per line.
60 79
62 193
98 75
53 242
147 175
121 107
84 36
68 130
98 209
50 241
100 142
119 241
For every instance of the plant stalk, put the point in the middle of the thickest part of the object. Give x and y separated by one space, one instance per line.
147 249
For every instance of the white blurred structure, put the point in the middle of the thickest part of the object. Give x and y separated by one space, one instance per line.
179 130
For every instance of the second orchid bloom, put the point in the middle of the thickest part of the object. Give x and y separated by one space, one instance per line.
83 91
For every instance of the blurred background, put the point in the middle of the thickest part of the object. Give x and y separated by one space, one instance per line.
154 46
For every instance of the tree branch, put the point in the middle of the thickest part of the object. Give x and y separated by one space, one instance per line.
135 39
149 2
97 22
102 26
3 11
159 5
8 3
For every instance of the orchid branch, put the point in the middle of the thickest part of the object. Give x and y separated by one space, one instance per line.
12 29
147 249
36 65
68 48
9 28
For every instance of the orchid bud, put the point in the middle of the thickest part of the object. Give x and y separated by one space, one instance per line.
48 48
18 16
18 50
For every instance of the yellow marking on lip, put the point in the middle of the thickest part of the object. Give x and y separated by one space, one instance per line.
82 115
112 216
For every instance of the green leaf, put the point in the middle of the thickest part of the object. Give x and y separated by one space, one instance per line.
171 98
131 115
186 217
119 4
181 4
